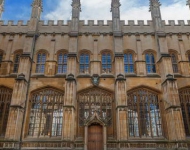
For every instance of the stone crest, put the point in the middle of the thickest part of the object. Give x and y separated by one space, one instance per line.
95 79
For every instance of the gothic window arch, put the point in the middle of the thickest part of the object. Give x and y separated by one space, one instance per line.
184 95
144 117
16 61
150 63
46 113
84 63
95 101
5 100
62 63
106 62
41 60
128 63
174 62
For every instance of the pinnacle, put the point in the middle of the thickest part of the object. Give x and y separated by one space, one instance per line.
155 3
1 2
37 3
76 2
116 3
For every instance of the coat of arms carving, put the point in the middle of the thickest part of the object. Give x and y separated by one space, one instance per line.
95 79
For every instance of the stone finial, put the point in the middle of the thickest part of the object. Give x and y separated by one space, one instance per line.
1 7
115 3
38 3
154 3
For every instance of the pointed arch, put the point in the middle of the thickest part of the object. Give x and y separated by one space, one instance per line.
95 103
144 115
5 101
46 112
184 95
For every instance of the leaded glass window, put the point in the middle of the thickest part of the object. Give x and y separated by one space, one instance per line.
144 114
174 63
128 63
5 100
84 63
106 63
185 106
62 63
95 102
16 62
46 114
41 60
150 63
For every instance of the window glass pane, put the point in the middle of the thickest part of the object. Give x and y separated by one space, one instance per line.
147 59
5 100
60 59
84 63
144 114
106 63
46 116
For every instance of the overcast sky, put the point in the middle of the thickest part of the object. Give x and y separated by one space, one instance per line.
96 10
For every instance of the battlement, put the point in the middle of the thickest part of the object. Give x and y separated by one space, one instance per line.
95 23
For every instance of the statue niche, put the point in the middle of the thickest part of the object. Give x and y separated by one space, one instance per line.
95 103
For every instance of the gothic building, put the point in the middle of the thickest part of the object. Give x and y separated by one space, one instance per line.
104 86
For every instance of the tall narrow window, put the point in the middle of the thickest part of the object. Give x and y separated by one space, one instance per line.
62 63
144 114
41 60
1 59
16 62
174 63
150 63
46 115
5 100
84 63
189 58
106 63
128 63
185 106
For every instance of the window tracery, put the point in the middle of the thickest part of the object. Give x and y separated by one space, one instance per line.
5 100
41 60
184 95
84 63
174 62
150 63
16 62
128 63
106 62
46 114
62 63
144 114
95 101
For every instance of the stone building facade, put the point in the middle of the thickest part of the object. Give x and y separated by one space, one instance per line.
113 86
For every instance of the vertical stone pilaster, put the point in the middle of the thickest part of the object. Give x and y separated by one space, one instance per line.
1 8
172 109
121 108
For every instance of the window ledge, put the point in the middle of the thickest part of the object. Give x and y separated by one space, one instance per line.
84 76
37 139
107 75
177 75
130 74
61 74
145 139
153 75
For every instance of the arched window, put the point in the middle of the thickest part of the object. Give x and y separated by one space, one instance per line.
174 63
5 100
106 62
62 63
41 60
16 62
185 106
144 114
128 63
84 63
95 101
46 114
150 63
